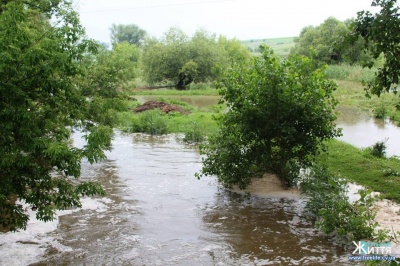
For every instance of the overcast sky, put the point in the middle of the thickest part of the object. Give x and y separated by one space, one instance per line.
243 19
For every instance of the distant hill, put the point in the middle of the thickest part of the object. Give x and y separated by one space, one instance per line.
281 46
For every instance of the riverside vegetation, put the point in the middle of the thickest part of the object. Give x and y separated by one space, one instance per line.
341 163
92 95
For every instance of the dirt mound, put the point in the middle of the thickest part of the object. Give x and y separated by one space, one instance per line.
164 107
269 186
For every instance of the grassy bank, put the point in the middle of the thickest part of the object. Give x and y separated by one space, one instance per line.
196 125
174 92
351 92
359 166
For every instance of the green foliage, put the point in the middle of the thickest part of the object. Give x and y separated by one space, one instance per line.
202 86
179 60
279 112
380 112
105 75
44 94
327 43
152 122
349 72
358 165
390 172
130 33
199 89
194 134
382 36
334 213
379 149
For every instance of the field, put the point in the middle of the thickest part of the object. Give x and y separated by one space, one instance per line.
281 46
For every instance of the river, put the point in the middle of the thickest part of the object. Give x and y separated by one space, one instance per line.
157 213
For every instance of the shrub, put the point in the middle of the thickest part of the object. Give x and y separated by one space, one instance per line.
194 134
379 149
380 112
332 211
152 122
278 112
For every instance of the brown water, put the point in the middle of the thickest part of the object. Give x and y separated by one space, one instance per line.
362 130
157 213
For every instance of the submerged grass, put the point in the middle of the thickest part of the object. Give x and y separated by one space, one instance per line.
360 166
352 94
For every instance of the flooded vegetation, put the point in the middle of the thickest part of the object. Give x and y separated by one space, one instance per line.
362 130
127 171
157 213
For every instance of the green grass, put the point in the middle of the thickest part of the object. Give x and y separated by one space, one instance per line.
173 92
359 166
350 73
196 125
281 46
352 94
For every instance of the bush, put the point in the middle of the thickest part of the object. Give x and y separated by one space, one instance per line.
379 149
194 134
332 211
380 112
152 122
279 113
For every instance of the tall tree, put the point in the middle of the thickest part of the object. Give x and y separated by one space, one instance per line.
279 114
130 33
41 102
381 32
180 60
327 43
106 75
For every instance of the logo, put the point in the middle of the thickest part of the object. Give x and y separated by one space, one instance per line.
375 248
367 250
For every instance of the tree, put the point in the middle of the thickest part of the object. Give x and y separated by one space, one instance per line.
279 114
130 33
180 60
327 43
163 60
42 50
105 74
381 32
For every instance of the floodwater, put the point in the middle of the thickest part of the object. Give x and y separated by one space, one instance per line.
362 130
157 213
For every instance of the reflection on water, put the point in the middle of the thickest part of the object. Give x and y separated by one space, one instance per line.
157 213
361 130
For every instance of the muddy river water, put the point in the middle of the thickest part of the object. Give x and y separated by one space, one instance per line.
157 213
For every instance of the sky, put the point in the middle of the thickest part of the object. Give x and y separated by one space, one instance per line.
241 19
